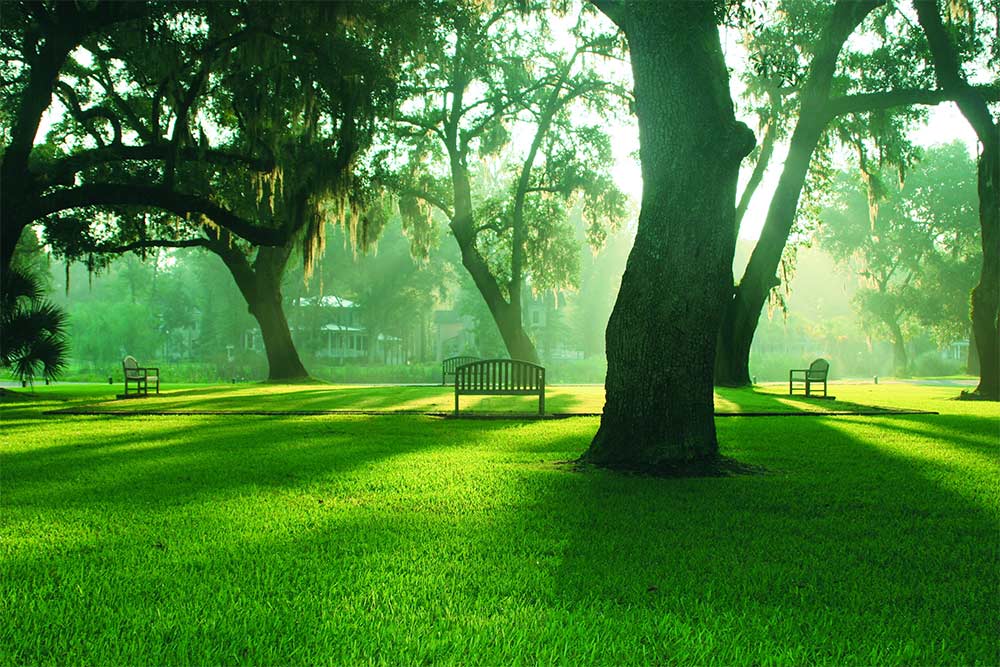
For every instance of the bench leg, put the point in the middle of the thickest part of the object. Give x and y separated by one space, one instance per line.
456 399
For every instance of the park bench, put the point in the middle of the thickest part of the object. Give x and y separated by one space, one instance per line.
139 376
816 373
504 377
449 365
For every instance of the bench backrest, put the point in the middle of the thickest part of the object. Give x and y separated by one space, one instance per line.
130 365
500 376
451 363
818 369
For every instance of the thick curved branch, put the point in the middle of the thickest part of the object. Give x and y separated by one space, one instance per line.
85 116
898 98
62 171
155 243
493 227
949 72
108 194
430 199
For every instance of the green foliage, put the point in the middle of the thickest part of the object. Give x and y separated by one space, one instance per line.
518 115
913 246
33 339
931 364
261 111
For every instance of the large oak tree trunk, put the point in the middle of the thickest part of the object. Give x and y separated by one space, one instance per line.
283 361
659 412
972 356
260 285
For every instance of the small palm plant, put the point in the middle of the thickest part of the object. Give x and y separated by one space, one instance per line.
32 329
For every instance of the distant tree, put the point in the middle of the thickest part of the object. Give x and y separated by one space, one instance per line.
491 74
903 240
600 275
248 120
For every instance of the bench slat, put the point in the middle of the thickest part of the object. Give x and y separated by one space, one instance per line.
505 377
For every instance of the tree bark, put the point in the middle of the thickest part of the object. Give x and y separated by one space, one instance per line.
659 412
260 285
506 315
743 310
986 295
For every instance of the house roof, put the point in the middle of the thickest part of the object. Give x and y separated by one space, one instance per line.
339 327
330 301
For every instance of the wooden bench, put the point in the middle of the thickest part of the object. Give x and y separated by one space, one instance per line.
140 376
449 365
815 374
504 377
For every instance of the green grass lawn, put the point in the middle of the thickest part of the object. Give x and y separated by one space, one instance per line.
559 399
336 539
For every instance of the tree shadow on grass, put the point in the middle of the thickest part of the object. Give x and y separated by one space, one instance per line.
462 541
851 548
152 460
954 430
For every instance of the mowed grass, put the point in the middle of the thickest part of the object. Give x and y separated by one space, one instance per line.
410 539
319 397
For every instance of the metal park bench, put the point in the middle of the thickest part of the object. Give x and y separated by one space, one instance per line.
816 373
140 376
449 365
505 377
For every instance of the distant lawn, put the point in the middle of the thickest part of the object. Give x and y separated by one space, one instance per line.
409 539
565 399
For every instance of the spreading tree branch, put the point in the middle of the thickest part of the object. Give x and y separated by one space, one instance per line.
62 171
182 204
905 97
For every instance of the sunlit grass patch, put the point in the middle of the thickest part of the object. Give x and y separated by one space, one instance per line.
560 399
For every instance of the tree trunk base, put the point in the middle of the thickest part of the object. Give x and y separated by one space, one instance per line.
710 466
977 395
